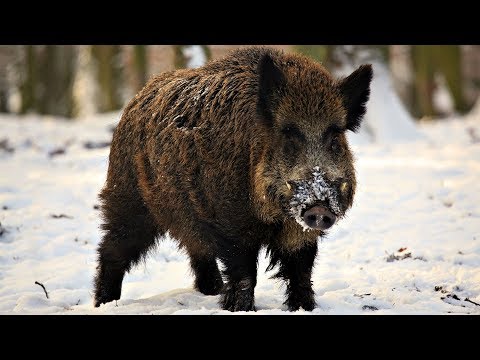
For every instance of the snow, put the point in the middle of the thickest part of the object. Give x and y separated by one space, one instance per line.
442 99
409 245
386 120
194 55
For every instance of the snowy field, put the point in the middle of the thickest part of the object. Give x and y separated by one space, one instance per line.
410 244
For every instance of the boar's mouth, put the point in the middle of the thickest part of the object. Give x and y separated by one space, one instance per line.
325 203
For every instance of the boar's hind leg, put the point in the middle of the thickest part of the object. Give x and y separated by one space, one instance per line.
241 274
129 233
296 270
207 276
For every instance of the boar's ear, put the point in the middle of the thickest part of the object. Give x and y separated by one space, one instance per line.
355 90
271 78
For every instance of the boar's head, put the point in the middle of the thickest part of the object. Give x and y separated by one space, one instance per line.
306 113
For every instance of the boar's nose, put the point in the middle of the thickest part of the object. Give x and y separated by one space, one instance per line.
319 218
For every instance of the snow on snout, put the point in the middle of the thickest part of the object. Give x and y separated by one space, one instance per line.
308 192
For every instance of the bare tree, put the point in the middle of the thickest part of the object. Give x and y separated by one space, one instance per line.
108 74
140 66
179 60
47 83
55 75
28 81
7 55
449 64
321 53
444 60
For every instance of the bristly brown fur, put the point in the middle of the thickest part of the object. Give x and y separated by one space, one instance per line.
200 153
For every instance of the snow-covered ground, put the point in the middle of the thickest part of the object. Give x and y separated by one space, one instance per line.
410 244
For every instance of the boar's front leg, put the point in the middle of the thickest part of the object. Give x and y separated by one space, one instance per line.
295 267
241 275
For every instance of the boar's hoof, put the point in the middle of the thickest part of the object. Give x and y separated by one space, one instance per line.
106 291
302 299
238 297
103 297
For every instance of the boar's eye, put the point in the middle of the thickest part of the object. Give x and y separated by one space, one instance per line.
292 132
333 139
292 143
335 143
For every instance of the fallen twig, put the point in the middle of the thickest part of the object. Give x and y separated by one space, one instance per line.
407 255
393 257
473 302
46 293
55 216
362 295
57 151
454 296
96 144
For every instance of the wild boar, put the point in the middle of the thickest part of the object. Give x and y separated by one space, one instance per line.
244 152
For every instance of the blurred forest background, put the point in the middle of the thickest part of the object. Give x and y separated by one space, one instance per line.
74 81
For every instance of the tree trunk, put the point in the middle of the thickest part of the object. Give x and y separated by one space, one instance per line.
47 85
401 69
27 86
207 52
140 66
6 58
470 73
179 60
108 75
448 59
429 60
55 76
320 53
424 67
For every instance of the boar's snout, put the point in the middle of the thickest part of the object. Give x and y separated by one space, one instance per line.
319 218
